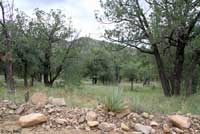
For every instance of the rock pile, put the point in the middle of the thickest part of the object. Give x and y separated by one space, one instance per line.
58 116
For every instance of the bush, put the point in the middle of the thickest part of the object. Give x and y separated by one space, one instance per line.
115 101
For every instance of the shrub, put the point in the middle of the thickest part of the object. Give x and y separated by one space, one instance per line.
115 101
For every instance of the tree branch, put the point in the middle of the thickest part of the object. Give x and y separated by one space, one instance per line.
134 46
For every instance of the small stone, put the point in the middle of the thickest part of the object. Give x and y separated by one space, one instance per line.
6 101
43 125
123 113
32 119
136 133
111 113
104 126
143 128
11 112
47 127
124 127
151 117
87 128
189 114
58 101
81 119
61 121
91 116
154 124
178 130
20 110
51 111
48 106
92 123
145 115
166 128
180 121
12 106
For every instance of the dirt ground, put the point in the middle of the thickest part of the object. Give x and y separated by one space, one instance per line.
10 127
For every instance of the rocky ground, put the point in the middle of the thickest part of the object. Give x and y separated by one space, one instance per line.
44 115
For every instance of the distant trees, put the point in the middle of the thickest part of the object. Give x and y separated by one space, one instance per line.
99 67
104 63
162 26
130 71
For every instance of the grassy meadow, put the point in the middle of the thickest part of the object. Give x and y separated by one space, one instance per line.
143 99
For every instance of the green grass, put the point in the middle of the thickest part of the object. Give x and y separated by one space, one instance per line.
142 99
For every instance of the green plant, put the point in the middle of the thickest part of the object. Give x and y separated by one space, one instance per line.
115 101
136 105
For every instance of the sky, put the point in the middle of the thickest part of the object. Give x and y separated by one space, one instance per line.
81 12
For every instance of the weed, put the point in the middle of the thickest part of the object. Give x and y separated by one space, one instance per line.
115 101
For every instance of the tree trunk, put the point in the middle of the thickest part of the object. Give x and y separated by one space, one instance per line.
178 68
51 83
5 74
9 72
161 71
40 77
131 84
47 82
46 79
32 80
25 74
47 71
94 80
9 62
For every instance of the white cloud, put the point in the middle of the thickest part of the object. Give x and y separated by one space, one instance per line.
81 11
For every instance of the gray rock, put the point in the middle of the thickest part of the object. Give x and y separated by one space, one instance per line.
104 126
61 121
58 101
20 110
92 123
143 128
12 106
91 116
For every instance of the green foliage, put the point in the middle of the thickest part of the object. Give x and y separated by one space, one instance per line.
100 65
115 101
166 31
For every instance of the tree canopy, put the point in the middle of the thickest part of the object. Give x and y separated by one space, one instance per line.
154 27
